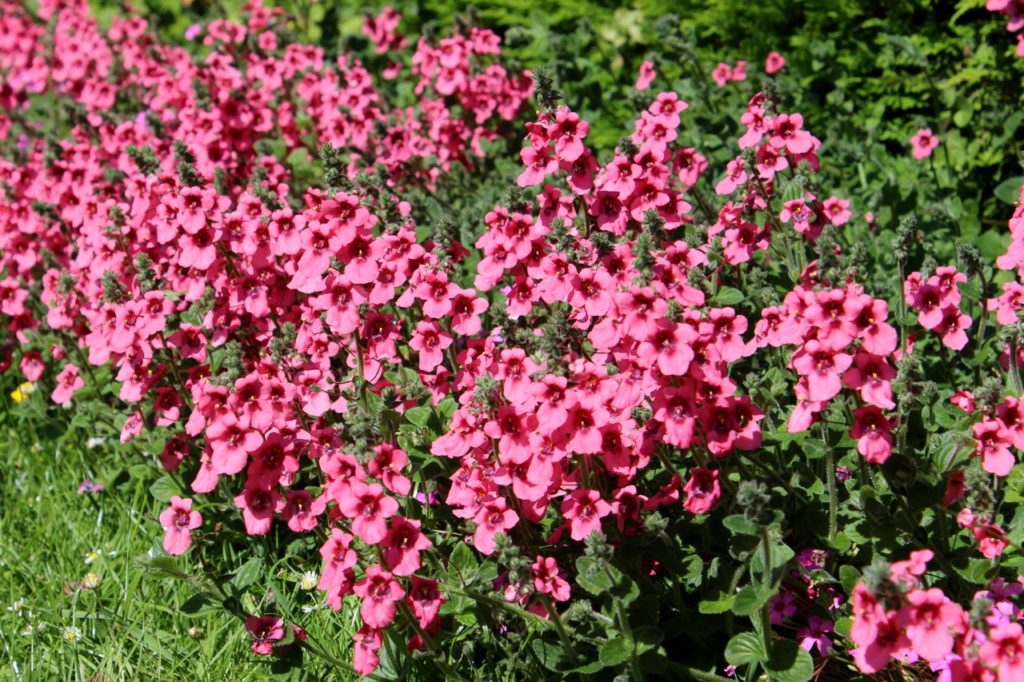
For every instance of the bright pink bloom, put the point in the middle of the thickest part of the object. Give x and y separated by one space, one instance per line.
492 518
929 619
68 381
702 490
368 507
923 142
379 592
547 579
873 433
584 509
178 522
403 544
993 446
773 63
646 77
265 630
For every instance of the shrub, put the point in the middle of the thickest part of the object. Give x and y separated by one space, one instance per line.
533 406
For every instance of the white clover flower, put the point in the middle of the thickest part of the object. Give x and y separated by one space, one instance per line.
90 581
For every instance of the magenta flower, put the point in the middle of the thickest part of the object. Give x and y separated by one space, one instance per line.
923 142
265 630
815 634
178 522
379 592
646 75
583 510
547 579
773 63
68 381
702 490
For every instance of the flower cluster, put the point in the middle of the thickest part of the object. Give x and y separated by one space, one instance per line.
900 618
257 244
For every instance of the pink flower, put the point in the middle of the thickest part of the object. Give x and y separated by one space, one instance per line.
872 431
929 618
403 544
923 142
1004 651
367 642
815 634
547 579
68 381
721 75
265 630
584 509
368 507
258 505
178 522
702 490
992 540
430 341
822 366
492 518
379 592
992 442
773 63
646 76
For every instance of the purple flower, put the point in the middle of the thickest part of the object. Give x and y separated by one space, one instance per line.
90 487
815 634
193 31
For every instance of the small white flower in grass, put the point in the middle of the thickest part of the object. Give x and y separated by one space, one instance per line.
91 556
17 607
309 580
71 634
95 442
90 581
28 631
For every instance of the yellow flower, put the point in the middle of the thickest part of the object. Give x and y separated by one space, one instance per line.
23 391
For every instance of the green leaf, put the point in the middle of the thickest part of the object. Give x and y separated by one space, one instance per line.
713 606
596 584
789 662
740 525
463 561
199 605
728 296
1009 189
744 648
848 578
549 654
615 651
418 415
247 574
750 599
164 567
647 637
164 488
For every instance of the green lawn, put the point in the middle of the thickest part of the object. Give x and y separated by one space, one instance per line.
130 625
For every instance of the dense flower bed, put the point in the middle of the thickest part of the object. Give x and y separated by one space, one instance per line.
646 392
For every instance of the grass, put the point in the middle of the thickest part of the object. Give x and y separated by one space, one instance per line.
132 625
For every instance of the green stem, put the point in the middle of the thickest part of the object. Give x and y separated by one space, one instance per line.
766 617
830 485
556 620
1015 383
